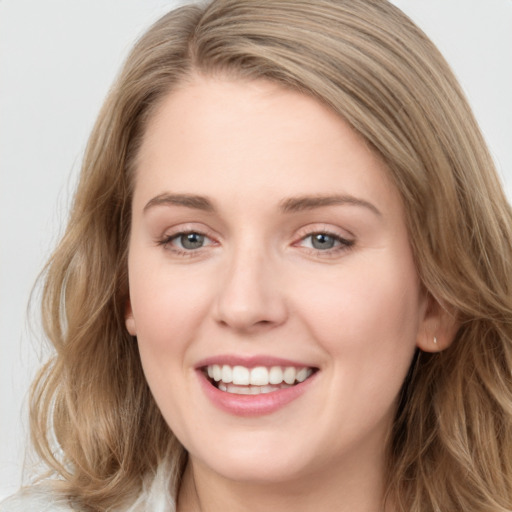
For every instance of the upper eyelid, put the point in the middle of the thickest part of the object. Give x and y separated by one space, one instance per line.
337 236
172 236
343 241
326 229
191 227
166 238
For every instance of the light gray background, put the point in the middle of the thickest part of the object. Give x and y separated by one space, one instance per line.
57 60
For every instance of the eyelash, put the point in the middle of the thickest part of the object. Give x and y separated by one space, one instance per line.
343 244
167 241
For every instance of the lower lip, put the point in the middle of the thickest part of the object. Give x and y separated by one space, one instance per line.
253 405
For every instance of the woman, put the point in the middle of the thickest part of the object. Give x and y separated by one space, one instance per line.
285 281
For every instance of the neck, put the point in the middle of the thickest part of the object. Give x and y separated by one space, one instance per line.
354 487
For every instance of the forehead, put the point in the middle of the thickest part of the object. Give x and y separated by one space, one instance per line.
219 136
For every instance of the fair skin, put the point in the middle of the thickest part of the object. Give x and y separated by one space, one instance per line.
265 231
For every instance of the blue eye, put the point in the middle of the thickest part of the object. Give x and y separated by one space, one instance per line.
191 241
325 242
185 242
322 241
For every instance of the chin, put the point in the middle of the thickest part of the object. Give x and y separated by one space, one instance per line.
261 472
256 463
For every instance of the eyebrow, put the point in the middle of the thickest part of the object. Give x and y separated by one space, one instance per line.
290 205
186 200
297 204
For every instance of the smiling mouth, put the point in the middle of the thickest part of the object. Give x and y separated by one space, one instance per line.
241 380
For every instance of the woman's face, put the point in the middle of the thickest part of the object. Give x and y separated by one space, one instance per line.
268 246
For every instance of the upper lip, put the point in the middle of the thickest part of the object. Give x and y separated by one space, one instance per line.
250 361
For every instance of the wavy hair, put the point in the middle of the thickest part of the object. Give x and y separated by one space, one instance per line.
93 418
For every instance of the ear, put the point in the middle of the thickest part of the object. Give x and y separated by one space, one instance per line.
128 318
438 328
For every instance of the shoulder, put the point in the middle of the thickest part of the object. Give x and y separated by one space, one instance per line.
35 499
42 497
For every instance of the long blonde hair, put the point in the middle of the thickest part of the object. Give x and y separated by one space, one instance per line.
452 440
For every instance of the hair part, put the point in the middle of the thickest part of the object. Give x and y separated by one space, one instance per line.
452 437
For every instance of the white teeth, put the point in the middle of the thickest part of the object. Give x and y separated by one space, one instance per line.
227 374
275 375
303 374
262 377
250 390
240 375
289 374
259 376
217 372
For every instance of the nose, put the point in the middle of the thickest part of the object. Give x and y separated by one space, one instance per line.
251 297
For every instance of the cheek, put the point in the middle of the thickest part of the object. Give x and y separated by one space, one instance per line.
367 325
368 311
168 311
168 307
